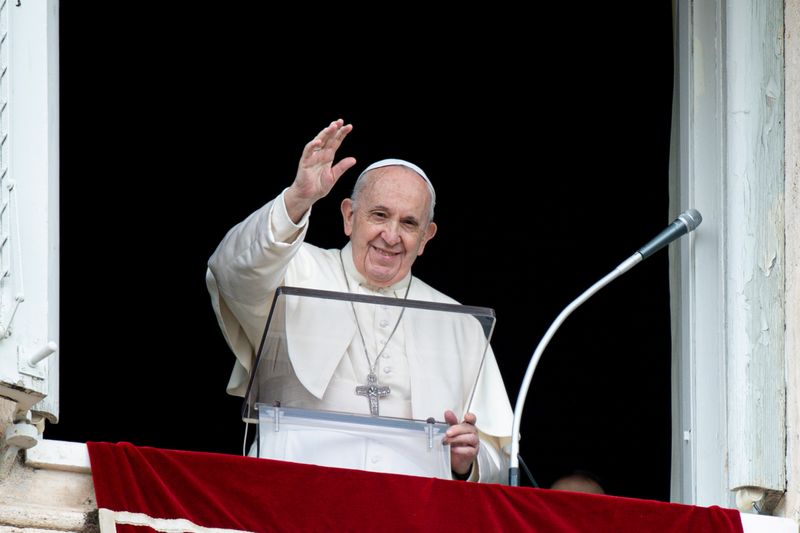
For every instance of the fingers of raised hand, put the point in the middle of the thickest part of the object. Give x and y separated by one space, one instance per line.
342 166
331 137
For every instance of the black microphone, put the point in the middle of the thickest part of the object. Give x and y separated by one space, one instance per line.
686 222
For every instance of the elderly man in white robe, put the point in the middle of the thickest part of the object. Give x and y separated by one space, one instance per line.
389 221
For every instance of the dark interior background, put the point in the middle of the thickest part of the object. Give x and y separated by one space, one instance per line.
546 135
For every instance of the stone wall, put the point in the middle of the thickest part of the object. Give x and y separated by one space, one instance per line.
46 488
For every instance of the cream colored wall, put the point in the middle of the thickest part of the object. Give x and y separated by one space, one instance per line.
790 507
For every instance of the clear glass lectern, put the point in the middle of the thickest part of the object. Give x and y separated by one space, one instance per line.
310 394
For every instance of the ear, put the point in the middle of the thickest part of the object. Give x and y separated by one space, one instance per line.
347 215
430 231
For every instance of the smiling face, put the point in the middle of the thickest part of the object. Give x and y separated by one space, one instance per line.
388 224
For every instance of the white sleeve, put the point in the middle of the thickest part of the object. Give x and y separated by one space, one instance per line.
492 461
250 262
243 273
495 419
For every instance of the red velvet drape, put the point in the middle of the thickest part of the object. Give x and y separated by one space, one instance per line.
243 493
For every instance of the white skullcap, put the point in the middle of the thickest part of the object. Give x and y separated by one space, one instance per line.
399 162
402 163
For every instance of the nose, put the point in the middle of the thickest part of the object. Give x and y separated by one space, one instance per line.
391 234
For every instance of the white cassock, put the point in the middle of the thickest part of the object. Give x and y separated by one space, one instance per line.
266 251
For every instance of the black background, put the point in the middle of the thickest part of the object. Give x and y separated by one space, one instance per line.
546 135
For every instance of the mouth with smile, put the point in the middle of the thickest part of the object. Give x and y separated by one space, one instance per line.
381 266
387 254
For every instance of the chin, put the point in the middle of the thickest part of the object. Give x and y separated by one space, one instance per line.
384 279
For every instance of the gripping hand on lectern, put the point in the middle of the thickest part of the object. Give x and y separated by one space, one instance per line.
463 440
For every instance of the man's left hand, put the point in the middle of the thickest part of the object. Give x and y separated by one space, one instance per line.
463 440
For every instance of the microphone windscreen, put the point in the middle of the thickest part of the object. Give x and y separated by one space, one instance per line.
692 218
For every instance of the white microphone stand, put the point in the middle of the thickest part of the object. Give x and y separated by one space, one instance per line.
685 223
513 471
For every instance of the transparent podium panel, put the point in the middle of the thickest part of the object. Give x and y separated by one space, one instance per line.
385 365
353 441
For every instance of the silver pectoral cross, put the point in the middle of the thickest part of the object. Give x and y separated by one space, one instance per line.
373 391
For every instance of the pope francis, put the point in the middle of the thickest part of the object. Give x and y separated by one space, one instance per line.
389 221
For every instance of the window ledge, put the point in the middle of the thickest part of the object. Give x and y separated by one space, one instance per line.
59 455
756 523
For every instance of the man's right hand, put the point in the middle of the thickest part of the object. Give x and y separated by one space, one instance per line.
316 173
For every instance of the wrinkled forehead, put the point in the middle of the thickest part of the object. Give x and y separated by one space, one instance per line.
396 184
402 163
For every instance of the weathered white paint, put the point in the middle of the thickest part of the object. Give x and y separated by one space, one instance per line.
699 455
754 244
728 279
790 507
29 202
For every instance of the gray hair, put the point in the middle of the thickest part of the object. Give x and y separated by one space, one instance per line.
361 181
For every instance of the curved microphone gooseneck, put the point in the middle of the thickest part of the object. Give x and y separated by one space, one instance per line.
686 222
